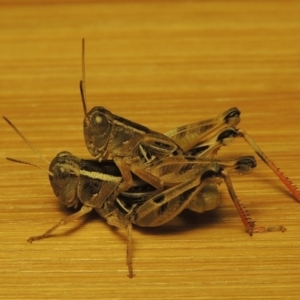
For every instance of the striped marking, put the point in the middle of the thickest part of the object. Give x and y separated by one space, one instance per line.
100 176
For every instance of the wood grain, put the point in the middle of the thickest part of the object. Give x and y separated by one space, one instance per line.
162 64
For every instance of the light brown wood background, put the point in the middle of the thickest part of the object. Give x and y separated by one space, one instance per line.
162 64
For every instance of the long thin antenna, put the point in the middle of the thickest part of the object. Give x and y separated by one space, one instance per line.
82 83
30 164
25 140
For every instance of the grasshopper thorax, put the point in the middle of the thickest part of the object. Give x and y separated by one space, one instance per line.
97 127
66 170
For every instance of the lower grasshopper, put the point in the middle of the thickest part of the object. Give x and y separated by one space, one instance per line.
193 181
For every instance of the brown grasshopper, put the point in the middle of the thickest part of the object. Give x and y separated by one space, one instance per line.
201 139
90 184
129 144
134 147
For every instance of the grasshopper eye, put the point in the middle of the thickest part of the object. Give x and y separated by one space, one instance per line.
100 122
61 176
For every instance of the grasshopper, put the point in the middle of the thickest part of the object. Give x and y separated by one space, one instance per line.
201 139
90 184
129 144
134 147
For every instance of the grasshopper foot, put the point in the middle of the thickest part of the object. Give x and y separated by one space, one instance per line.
254 229
36 238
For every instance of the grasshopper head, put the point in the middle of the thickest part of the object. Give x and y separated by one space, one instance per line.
97 127
65 169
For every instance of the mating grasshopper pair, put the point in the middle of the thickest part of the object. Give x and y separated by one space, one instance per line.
190 182
151 177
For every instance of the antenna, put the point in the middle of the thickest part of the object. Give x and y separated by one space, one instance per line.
30 164
82 83
25 140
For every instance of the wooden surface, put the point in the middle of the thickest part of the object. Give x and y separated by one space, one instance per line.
162 64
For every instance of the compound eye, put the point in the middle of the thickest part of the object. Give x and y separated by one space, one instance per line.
61 176
100 123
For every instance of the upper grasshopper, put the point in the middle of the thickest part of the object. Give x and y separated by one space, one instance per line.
129 144
134 147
